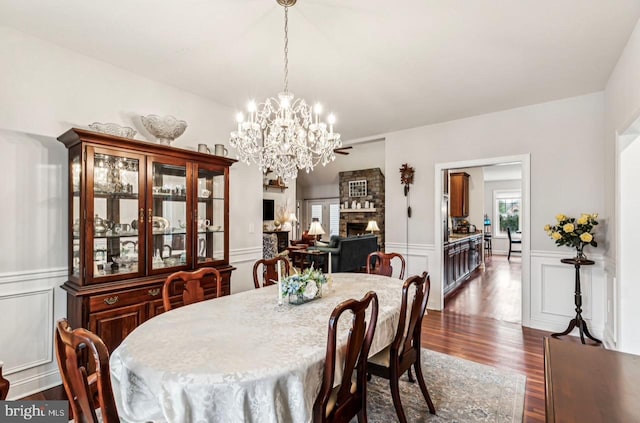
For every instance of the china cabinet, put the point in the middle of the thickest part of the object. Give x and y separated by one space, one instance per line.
138 212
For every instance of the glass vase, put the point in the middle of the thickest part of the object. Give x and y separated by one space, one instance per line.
580 255
297 299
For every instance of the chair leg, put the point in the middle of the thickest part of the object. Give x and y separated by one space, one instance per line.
395 394
423 387
362 415
410 375
509 256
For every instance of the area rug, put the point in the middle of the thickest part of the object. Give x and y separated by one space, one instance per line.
461 390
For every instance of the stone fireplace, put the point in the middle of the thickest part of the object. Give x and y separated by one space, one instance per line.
353 221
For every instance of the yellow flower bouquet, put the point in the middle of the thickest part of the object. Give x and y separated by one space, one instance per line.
574 232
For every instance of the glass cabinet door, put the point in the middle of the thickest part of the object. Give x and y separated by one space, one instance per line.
115 210
168 211
211 214
76 216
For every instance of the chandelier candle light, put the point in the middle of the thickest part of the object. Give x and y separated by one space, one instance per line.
285 134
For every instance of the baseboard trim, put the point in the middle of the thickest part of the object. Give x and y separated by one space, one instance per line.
34 384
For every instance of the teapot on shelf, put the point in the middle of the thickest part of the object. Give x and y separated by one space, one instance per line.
100 225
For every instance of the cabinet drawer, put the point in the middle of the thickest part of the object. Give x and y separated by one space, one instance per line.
124 298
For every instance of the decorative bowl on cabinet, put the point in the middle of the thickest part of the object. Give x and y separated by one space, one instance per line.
164 128
113 129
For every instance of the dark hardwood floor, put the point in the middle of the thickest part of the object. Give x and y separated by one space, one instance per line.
478 325
493 342
495 292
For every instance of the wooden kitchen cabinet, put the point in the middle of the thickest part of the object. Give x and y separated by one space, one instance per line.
459 194
139 211
461 259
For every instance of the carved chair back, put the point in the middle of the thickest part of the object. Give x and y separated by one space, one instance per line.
404 350
85 390
380 263
192 291
342 403
270 270
4 385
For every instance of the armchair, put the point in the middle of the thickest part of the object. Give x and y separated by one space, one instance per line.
308 240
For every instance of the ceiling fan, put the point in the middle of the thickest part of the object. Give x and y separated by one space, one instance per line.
340 150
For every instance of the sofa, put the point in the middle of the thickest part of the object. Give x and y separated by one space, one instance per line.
349 254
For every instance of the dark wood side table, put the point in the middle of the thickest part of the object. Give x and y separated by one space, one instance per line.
589 384
304 258
578 321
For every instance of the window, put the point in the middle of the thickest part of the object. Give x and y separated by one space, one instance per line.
507 206
327 211
316 212
334 219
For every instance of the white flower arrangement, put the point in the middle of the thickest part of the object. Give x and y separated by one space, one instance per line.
304 286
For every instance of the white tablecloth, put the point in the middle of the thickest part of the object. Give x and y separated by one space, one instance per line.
239 358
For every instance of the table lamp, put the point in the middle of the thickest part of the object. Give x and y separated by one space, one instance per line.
372 226
316 228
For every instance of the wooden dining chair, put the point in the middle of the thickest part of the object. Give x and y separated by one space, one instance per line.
347 400
85 390
511 242
192 289
380 263
270 270
4 385
404 350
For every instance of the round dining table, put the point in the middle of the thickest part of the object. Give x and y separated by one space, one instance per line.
240 358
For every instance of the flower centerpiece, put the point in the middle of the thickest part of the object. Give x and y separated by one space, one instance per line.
303 287
574 232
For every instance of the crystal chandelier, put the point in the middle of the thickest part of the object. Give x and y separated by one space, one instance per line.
285 134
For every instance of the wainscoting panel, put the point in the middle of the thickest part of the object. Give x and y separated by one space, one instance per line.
32 315
33 301
420 258
552 292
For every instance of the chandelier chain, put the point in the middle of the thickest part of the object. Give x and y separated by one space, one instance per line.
286 49
285 134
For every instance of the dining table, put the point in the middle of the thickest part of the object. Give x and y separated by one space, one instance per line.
242 357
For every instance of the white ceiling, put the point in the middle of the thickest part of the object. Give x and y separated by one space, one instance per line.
379 65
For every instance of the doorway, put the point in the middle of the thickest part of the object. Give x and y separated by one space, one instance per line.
622 293
502 203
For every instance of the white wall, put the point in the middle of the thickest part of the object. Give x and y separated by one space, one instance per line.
500 245
622 108
45 91
629 247
564 140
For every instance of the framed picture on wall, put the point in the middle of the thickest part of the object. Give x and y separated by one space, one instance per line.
358 188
